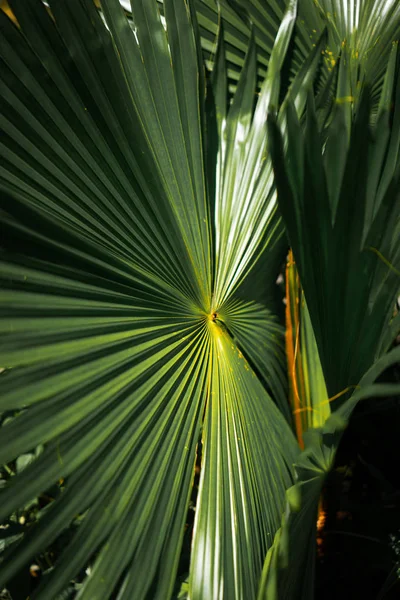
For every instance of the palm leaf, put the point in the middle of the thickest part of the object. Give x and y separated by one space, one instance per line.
112 359
238 474
307 390
365 29
238 20
243 18
331 221
351 258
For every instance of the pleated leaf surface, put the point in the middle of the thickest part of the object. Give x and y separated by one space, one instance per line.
113 363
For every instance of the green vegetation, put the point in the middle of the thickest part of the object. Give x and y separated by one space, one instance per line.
148 205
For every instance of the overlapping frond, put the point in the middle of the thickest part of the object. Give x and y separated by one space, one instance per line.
244 175
337 181
345 256
238 18
248 228
361 30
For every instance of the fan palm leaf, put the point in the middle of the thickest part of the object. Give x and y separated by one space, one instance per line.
117 351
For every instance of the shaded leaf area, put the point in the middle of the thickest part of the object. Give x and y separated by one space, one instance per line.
111 358
290 563
240 17
341 210
358 545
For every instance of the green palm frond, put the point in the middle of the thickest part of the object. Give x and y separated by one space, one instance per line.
237 478
366 28
113 361
238 18
344 254
142 234
337 183
307 389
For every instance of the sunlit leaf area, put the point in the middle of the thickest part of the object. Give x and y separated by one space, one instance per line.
199 299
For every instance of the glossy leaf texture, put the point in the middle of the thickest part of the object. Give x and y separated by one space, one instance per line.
112 358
